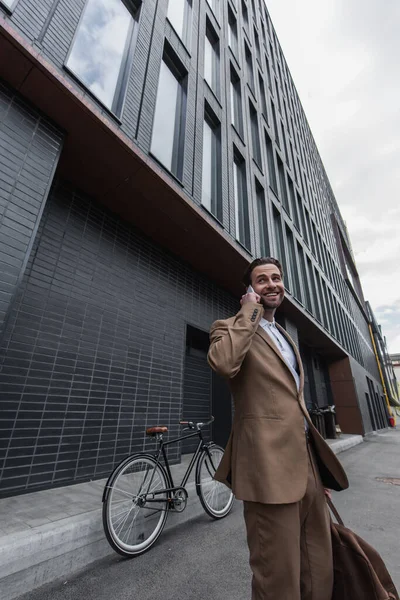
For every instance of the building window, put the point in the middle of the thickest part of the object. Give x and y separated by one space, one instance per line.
257 45
271 164
275 124
211 58
167 143
262 220
101 53
242 226
236 102
282 184
268 72
304 229
294 268
249 63
292 203
233 33
180 16
255 134
314 294
211 174
280 242
10 4
245 14
304 275
214 5
284 143
263 98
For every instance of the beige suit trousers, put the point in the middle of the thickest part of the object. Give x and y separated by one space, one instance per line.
290 545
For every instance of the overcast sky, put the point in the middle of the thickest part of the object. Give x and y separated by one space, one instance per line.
344 59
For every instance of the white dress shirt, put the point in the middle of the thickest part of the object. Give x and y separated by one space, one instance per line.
285 348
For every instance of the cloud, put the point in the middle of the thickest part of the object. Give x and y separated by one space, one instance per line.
346 72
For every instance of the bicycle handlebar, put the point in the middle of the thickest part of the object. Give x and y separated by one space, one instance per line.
197 426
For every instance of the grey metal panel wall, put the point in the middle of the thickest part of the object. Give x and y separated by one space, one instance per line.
364 337
94 349
29 150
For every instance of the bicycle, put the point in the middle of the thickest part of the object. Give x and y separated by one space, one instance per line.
140 492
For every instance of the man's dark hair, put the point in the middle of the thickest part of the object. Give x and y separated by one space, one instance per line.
265 260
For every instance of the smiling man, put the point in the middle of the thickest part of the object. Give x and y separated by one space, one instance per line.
275 459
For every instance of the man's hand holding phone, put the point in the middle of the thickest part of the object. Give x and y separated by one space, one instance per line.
250 296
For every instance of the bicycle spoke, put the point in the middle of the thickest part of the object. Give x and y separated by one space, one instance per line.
121 491
215 497
131 525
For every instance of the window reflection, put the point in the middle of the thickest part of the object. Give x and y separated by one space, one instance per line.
179 15
211 59
207 166
169 119
100 48
242 225
211 171
162 144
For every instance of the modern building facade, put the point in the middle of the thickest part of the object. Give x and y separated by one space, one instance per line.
149 150
395 360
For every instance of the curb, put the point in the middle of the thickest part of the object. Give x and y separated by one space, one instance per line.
57 550
342 444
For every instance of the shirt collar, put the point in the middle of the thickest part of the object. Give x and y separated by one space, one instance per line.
269 323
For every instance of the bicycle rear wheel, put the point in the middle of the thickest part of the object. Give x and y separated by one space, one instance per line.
131 524
215 497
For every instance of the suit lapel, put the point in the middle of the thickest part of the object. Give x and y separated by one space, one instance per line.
275 348
297 353
261 332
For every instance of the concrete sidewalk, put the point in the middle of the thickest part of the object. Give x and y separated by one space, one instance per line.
52 533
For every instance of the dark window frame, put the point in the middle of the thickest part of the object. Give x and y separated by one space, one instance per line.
173 63
215 6
121 88
249 68
233 32
10 8
245 13
255 134
284 197
280 243
236 109
242 218
187 17
293 263
214 41
216 181
263 97
262 219
272 176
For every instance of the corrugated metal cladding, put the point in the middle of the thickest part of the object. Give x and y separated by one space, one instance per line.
95 316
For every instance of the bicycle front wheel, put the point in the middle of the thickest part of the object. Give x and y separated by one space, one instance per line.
131 523
215 497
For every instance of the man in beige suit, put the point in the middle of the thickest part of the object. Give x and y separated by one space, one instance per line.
275 459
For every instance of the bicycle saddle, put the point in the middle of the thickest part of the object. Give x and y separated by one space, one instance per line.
156 429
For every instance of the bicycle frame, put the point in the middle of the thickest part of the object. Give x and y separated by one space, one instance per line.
161 451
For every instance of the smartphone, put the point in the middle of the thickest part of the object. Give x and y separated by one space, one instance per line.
250 290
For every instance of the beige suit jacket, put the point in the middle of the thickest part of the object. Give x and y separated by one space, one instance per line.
265 459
